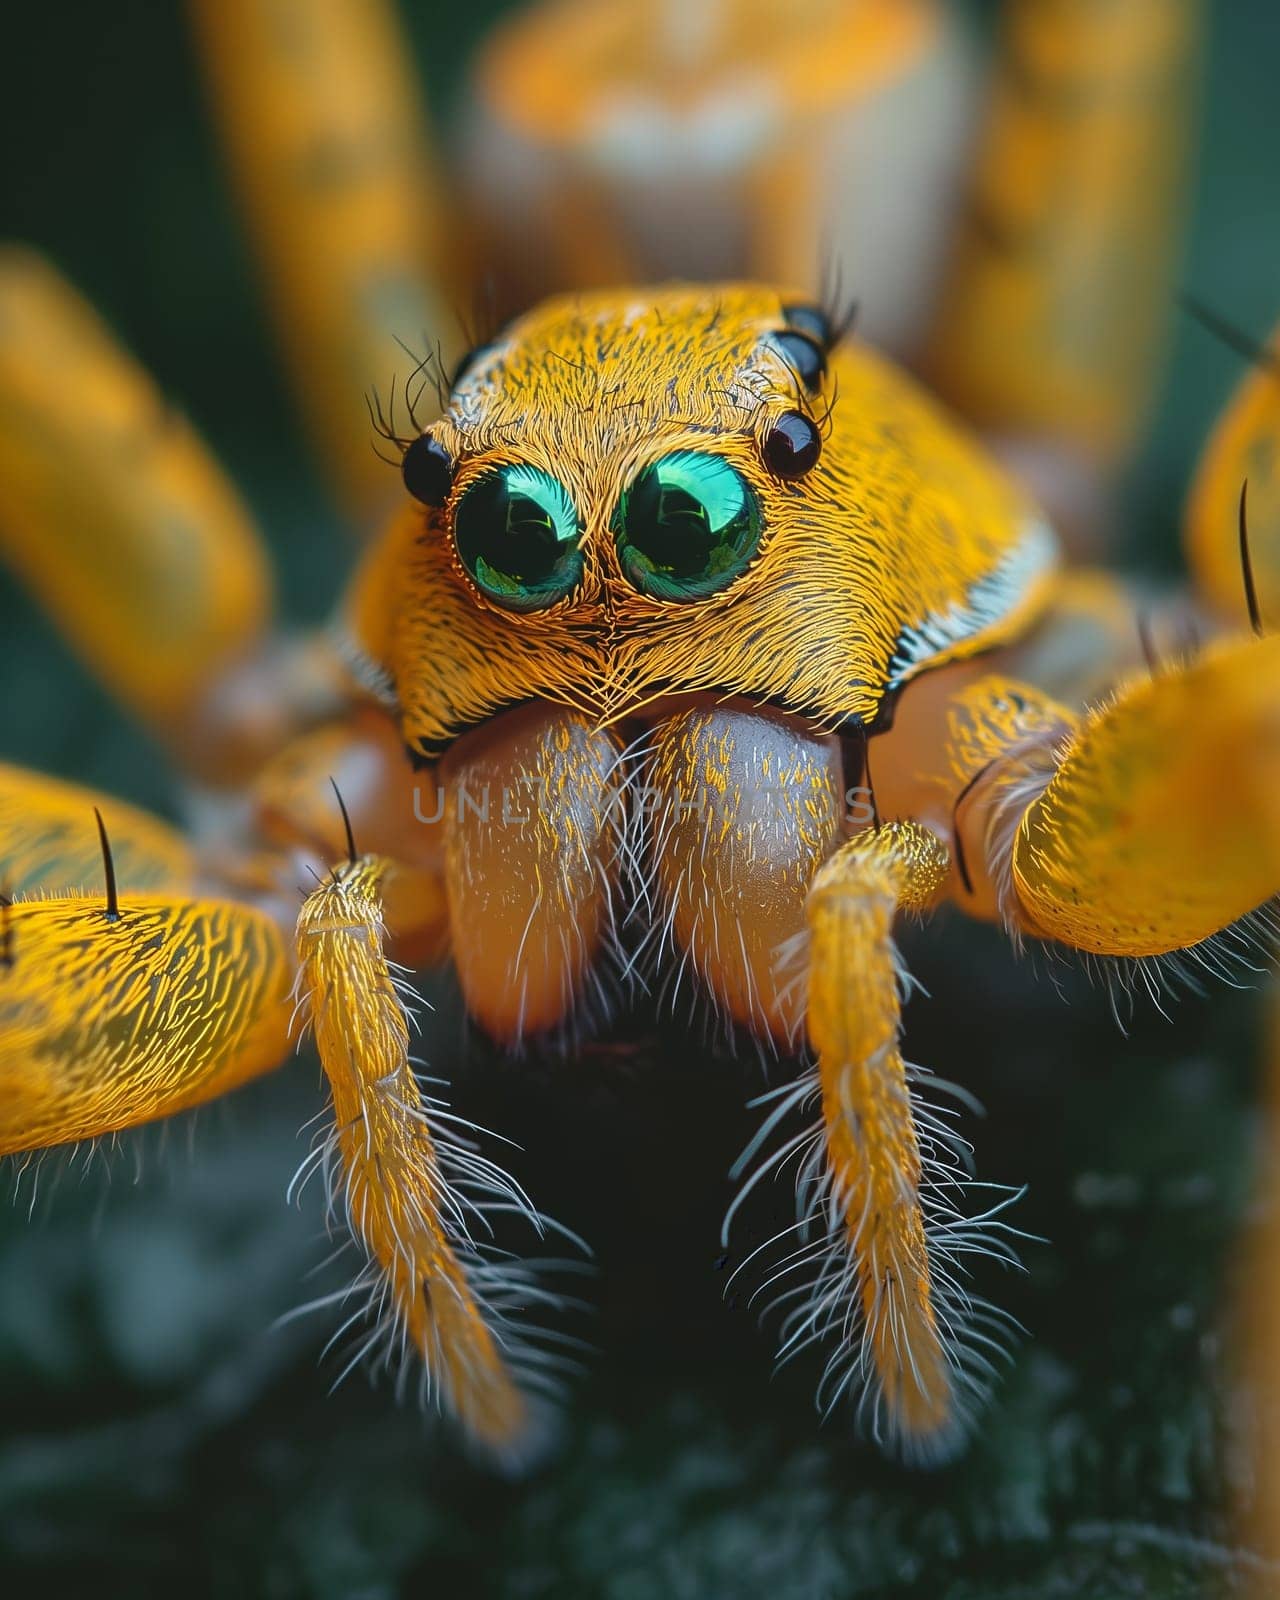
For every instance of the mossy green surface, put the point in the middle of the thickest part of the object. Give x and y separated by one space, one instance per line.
158 1434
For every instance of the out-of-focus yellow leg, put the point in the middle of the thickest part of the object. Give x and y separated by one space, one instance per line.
128 997
1244 447
433 1293
1160 823
1056 303
328 146
884 1288
118 519
49 839
112 1017
619 143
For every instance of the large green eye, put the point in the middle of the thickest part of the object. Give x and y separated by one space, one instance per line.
686 526
517 535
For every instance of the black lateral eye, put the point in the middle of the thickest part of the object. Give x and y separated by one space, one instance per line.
813 321
808 359
427 470
792 445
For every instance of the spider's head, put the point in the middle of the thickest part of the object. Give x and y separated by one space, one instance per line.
645 492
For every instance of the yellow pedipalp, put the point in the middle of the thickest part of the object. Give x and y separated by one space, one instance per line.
884 1288
425 1273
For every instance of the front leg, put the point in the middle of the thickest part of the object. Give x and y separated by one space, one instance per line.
147 997
127 532
1155 824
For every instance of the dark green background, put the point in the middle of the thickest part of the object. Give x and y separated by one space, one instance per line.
156 1432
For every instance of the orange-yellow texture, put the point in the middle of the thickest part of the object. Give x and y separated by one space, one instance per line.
1244 447
903 547
328 147
396 1200
112 511
1057 299
49 840
108 1022
872 1147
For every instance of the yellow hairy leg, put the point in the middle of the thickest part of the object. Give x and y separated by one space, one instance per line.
117 518
1158 826
882 1287
131 1003
553 87
328 145
1052 319
1244 447
49 839
116 1014
427 1276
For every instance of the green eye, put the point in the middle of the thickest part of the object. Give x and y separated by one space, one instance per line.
686 526
517 535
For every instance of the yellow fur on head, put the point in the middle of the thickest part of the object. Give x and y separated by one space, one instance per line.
902 548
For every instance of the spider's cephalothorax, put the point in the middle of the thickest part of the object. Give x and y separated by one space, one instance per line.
647 493
704 647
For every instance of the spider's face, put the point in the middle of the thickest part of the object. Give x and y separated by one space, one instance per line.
688 489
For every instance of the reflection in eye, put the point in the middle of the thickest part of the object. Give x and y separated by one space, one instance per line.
686 526
517 534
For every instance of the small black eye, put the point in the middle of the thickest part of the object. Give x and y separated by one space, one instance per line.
809 359
427 470
792 445
813 321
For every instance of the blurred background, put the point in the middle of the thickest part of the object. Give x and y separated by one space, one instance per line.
156 1428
